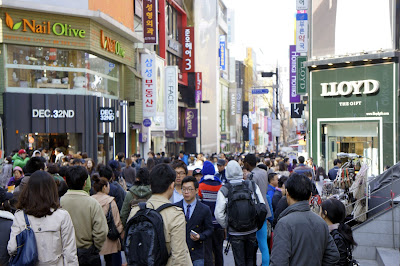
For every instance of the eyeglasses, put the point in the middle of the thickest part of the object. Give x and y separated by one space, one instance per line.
187 189
180 173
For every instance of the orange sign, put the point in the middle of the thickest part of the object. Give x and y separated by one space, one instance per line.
111 45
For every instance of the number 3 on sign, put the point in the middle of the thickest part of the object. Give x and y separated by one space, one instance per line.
188 64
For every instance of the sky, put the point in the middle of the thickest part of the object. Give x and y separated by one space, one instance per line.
268 27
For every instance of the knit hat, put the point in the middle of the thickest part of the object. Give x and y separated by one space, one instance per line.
233 171
208 168
18 168
21 151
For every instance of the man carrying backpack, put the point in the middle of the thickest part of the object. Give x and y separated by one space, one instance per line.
235 210
156 231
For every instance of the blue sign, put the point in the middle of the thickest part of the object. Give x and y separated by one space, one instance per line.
259 91
146 122
222 52
301 16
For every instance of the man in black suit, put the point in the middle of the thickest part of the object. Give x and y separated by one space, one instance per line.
198 220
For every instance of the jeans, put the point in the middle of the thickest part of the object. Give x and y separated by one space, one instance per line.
243 248
198 262
263 243
214 244
113 259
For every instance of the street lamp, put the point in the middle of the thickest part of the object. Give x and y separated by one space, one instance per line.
269 75
205 101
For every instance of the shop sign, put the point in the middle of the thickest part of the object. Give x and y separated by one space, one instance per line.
45 27
239 101
344 88
106 114
294 97
47 113
150 21
149 85
190 123
199 87
223 121
233 103
111 45
276 127
222 52
174 45
301 4
245 127
171 98
147 122
301 75
188 50
297 110
301 33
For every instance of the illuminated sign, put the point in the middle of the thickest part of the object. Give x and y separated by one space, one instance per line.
349 87
111 45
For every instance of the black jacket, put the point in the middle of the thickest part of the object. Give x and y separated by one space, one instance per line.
343 248
6 221
275 199
282 205
201 223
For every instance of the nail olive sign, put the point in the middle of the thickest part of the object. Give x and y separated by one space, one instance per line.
45 27
111 45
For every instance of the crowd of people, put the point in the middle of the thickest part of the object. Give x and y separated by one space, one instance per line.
81 212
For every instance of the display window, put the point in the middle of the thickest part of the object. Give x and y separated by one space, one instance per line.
57 69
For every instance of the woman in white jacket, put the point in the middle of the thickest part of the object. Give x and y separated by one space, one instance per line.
53 228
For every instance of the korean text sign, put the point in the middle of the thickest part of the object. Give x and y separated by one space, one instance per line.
171 98
301 4
222 52
301 33
150 21
188 50
199 87
149 85
294 97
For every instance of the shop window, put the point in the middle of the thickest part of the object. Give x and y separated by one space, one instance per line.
53 68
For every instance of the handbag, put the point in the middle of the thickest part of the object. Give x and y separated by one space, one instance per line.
27 254
261 209
89 256
113 233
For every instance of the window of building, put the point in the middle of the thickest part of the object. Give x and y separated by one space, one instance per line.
172 22
53 69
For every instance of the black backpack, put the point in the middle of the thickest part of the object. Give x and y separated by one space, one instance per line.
144 240
113 233
241 209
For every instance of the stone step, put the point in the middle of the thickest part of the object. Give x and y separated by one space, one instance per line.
387 256
368 262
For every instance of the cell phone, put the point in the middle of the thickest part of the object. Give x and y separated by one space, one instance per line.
193 233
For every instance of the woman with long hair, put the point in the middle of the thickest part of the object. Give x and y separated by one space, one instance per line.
111 248
53 228
90 166
333 212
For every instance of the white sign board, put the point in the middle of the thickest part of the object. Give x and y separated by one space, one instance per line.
301 4
301 33
276 128
149 84
171 98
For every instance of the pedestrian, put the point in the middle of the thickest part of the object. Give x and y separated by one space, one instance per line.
181 172
121 159
16 179
198 220
90 166
301 168
162 180
221 170
337 163
283 169
53 227
272 184
242 236
260 177
59 155
333 212
184 157
129 173
6 172
116 190
208 191
279 192
20 159
320 176
139 192
111 248
300 236
87 217
6 221
33 165
150 163
198 174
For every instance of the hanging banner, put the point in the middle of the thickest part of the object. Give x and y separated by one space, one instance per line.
223 121
188 50
171 98
245 126
301 33
150 21
301 75
222 52
301 4
190 123
294 97
199 87
149 84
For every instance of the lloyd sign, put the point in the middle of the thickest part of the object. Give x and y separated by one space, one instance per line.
344 88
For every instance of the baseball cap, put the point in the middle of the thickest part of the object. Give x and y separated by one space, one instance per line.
21 151
197 171
221 162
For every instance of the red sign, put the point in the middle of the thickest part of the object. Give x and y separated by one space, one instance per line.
199 87
188 50
53 54
150 21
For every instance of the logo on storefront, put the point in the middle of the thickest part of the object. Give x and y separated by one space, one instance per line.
344 88
45 27
111 45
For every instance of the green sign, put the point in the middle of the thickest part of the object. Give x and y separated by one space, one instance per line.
223 121
301 75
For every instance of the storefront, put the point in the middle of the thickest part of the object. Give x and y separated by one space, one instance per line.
354 110
60 71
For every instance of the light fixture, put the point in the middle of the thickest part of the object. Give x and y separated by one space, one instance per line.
365 60
347 62
385 57
313 66
330 64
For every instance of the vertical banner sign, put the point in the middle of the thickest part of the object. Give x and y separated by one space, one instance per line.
301 33
294 97
301 75
150 21
171 98
199 87
190 123
188 50
222 52
149 81
223 121
301 4
245 126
